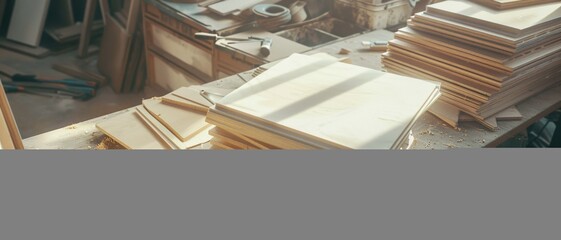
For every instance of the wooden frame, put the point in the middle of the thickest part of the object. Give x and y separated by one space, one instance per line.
10 137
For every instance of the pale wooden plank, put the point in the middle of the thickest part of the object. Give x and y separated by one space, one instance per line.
446 112
170 98
8 122
131 132
183 122
192 95
167 135
5 137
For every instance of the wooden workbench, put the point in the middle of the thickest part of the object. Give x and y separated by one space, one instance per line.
429 131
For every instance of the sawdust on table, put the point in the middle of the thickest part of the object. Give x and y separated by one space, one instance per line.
109 144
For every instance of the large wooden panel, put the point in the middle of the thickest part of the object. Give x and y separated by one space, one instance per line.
28 21
339 104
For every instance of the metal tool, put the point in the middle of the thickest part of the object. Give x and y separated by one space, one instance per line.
265 48
49 88
76 88
376 45
69 82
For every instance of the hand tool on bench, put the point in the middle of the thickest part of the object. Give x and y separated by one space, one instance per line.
265 48
376 45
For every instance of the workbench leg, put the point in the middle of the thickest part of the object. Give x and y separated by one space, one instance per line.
85 36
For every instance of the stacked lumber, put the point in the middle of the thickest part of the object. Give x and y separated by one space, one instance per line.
509 4
308 102
487 60
175 121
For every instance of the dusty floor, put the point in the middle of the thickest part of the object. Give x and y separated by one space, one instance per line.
36 114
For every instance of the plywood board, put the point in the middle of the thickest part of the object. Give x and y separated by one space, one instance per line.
327 101
513 22
5 136
183 122
227 132
510 114
129 130
28 21
446 112
9 128
508 4
175 100
485 34
193 95
168 136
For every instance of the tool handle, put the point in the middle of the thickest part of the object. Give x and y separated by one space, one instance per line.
10 89
206 36
266 45
77 82
69 82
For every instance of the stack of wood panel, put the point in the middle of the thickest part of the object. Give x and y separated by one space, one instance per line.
509 4
487 60
174 121
307 102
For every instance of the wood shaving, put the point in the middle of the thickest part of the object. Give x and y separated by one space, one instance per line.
109 144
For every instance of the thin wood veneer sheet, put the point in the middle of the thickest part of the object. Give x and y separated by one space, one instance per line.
129 130
168 136
184 123
512 22
175 100
343 105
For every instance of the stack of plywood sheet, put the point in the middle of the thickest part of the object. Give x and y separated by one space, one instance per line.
487 60
174 121
509 4
308 102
